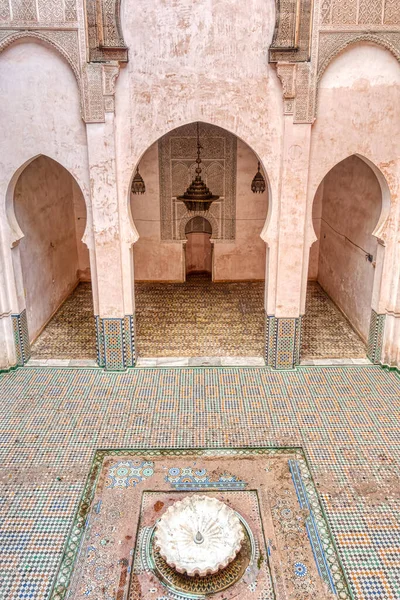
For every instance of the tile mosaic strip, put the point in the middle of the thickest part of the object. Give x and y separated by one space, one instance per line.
312 529
116 342
21 338
375 337
282 344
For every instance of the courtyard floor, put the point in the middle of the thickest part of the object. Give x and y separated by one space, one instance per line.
346 419
199 319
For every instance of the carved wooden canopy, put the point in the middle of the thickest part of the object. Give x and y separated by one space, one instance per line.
103 25
292 35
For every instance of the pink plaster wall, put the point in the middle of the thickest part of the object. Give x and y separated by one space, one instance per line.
198 253
44 209
351 205
239 259
244 258
154 260
80 226
316 219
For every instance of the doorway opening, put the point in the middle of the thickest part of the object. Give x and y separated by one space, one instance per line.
346 210
54 263
198 248
199 274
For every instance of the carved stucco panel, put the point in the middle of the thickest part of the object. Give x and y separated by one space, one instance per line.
51 11
177 154
24 10
342 13
70 10
93 93
5 14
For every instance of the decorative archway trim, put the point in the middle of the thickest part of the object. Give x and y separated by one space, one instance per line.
331 44
65 42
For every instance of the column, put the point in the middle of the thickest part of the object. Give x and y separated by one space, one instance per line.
283 328
114 327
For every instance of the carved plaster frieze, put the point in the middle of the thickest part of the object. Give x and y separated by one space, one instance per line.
292 36
93 100
47 13
359 12
304 100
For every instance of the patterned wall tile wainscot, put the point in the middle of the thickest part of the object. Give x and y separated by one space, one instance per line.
282 342
375 338
116 342
21 338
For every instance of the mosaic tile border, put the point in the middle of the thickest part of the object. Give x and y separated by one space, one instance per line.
282 341
115 342
375 337
21 337
327 553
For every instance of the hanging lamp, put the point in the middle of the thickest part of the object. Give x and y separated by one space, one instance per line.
138 185
258 183
198 197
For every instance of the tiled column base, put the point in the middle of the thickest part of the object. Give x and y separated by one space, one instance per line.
21 337
375 337
116 343
282 342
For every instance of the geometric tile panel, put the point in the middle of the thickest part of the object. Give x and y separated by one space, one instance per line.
21 337
375 337
116 342
282 342
52 421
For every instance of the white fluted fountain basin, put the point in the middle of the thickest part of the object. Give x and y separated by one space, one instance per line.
199 535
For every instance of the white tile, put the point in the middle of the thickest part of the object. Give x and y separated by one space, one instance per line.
173 361
146 362
82 362
242 361
57 362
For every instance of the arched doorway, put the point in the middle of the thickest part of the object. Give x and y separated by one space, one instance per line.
199 274
198 248
53 261
343 262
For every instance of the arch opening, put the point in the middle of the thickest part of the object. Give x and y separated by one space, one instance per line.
345 261
175 245
51 262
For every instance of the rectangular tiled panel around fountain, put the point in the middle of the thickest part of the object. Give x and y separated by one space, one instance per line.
287 551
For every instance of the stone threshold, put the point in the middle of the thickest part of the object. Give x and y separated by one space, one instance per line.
334 361
197 361
61 362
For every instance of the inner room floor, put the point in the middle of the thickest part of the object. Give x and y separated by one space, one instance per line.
199 318
326 333
70 333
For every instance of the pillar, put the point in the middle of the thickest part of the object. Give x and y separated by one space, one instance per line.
115 329
283 328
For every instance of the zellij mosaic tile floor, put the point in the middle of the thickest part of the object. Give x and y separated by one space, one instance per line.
343 420
199 318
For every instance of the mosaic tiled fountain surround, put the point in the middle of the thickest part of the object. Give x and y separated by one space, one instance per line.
288 554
